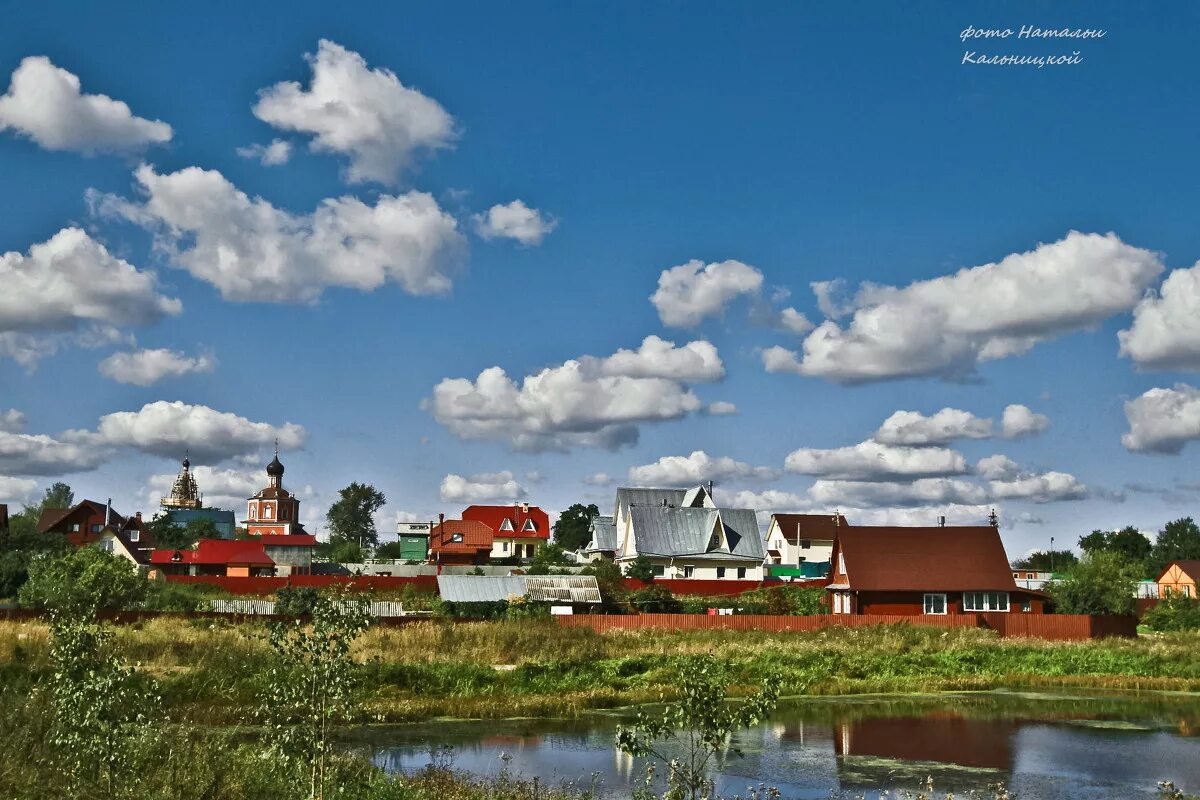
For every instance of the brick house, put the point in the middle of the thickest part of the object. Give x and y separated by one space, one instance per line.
937 570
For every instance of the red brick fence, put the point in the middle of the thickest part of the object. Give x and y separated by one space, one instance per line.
1059 627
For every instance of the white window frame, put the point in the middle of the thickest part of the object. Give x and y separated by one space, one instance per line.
689 572
135 535
528 526
978 602
506 525
741 573
456 538
842 563
927 605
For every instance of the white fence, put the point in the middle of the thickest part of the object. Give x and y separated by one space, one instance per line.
382 608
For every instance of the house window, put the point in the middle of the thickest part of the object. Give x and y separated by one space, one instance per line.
506 525
456 538
96 526
529 526
841 564
505 546
985 601
841 603
659 571
689 572
135 535
106 545
806 544
1027 606
741 573
720 572
935 604
74 527
714 541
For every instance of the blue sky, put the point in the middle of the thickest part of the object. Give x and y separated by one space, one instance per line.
798 143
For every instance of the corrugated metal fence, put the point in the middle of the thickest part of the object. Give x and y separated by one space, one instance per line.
1061 627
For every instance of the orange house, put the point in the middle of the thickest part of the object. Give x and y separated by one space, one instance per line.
939 570
1179 576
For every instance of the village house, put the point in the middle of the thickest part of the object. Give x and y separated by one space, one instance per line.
631 497
931 570
603 542
1179 576
86 522
460 542
801 545
695 542
518 531
413 538
230 558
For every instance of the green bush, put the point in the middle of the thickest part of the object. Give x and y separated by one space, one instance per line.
1101 583
169 596
295 601
1175 612
654 600
83 581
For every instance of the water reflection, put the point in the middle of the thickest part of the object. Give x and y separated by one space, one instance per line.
1043 747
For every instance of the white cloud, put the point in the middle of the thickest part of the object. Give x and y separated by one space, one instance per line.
920 516
1165 333
721 408
252 251
697 468
365 114
914 428
690 292
39 454
1163 420
269 155
872 461
481 488
169 428
1045 487
516 221
767 501
1019 421
589 402
44 103
12 421
794 321
147 367
598 479
222 488
16 491
998 468
874 494
71 286
946 326
656 358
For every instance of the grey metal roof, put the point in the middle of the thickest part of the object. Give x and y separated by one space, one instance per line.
542 588
627 497
686 531
479 588
604 535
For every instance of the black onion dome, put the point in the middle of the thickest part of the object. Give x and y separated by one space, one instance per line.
186 462
275 468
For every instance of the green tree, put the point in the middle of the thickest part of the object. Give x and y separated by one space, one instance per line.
19 545
1175 612
1129 543
641 569
1047 560
82 581
1179 539
341 552
352 517
572 530
167 535
611 583
201 528
701 723
654 600
59 495
312 688
1102 582
548 556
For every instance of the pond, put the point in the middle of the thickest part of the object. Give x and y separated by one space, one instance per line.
1041 746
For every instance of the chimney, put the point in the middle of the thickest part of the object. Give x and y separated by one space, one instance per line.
139 516
941 522
108 512
710 490
525 507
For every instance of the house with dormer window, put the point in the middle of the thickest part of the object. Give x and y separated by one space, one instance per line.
698 541
518 531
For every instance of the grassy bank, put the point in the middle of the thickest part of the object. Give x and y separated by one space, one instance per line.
212 672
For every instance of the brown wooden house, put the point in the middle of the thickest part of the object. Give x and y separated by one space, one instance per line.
1181 577
938 570
86 522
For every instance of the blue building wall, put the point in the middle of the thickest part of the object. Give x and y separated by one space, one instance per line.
224 520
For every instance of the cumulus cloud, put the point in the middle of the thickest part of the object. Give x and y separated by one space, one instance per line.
481 488
1045 487
946 326
794 321
588 402
921 492
1165 333
771 500
365 114
1163 420
72 286
16 491
515 221
12 421
40 454
919 516
914 428
44 103
872 461
721 408
169 428
1019 421
147 367
252 251
269 155
690 292
598 479
697 468
998 468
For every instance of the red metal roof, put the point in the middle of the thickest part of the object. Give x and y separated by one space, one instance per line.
923 559
289 540
217 551
475 536
494 516
795 527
